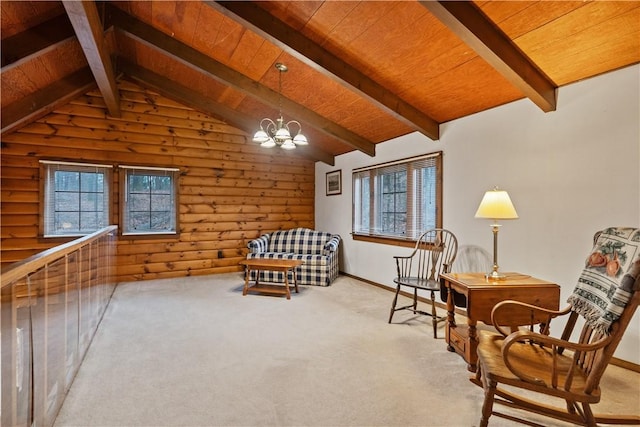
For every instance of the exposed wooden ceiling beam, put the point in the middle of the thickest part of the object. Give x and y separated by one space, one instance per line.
193 99
228 76
293 42
88 27
36 39
43 101
471 25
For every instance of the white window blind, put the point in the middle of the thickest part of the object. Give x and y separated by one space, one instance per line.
399 199
76 198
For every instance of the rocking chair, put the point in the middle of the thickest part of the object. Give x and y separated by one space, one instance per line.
606 296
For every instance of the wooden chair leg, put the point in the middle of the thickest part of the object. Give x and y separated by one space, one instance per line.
588 415
477 380
487 405
415 299
434 316
393 305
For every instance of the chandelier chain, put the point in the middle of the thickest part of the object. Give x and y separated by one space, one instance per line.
280 91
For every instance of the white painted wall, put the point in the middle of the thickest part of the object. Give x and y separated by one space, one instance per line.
569 173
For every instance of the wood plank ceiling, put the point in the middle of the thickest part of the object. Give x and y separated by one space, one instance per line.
360 72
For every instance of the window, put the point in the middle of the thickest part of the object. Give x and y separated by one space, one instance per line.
149 200
76 198
398 200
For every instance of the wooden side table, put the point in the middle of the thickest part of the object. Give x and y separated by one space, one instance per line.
482 295
282 265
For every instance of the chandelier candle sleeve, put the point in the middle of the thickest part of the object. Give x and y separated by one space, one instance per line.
272 133
496 204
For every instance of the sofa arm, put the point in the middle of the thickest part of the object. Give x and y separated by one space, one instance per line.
261 244
332 245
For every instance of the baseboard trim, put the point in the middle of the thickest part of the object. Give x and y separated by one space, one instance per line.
614 360
625 364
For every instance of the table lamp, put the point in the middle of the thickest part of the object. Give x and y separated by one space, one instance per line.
496 205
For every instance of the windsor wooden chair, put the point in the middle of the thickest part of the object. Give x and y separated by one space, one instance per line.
433 254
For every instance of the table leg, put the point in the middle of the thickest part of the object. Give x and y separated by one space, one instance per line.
473 345
295 279
247 271
451 320
286 284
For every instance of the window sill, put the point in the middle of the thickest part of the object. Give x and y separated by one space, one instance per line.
137 236
393 241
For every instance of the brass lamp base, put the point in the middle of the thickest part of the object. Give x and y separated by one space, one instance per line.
495 275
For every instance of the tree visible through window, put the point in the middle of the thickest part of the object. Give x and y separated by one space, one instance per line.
398 199
150 200
393 210
76 198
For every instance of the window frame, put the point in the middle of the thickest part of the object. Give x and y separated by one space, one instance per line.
47 167
124 173
375 199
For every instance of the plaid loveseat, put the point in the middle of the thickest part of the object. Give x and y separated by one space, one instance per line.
318 250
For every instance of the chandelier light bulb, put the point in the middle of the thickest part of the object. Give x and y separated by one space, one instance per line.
268 143
300 139
288 145
283 134
261 136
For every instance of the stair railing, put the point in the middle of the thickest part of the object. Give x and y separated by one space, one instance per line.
51 305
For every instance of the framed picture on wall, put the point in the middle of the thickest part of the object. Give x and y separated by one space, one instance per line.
334 182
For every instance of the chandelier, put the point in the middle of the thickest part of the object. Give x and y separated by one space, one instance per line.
275 133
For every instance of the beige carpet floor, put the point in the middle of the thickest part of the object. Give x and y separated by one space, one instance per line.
195 352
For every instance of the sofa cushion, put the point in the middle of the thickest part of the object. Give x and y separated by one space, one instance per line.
309 260
312 260
299 241
271 255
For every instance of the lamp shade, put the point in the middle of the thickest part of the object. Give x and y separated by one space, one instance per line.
496 204
268 143
261 136
288 145
300 139
282 134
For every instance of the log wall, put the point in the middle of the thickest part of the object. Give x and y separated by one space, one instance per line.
230 189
